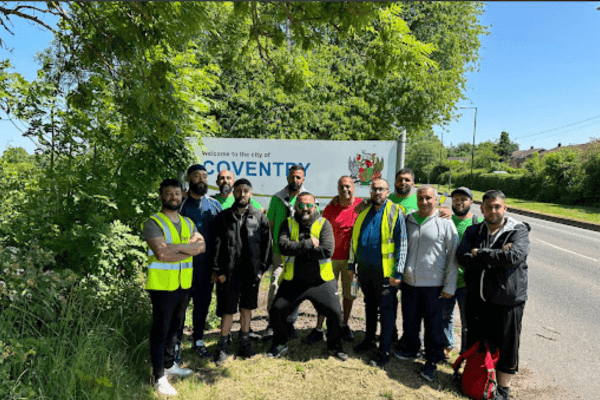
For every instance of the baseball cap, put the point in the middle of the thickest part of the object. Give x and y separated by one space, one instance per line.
463 190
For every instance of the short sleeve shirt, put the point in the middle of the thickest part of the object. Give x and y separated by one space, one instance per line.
409 203
342 221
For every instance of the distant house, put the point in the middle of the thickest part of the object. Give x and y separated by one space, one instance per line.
518 158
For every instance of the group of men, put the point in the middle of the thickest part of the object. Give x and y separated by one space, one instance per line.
389 242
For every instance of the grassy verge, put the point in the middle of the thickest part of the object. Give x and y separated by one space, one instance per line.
307 372
574 212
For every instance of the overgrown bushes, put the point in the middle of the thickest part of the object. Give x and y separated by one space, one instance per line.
61 338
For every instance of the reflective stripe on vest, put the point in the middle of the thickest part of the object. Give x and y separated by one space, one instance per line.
388 247
326 267
170 276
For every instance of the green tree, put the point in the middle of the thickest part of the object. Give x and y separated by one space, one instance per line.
331 85
563 177
461 150
486 156
505 147
423 155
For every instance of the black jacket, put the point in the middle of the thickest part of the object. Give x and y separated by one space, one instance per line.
229 241
496 275
306 256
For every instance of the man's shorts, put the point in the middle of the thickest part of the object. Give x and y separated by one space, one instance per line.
341 267
502 328
237 290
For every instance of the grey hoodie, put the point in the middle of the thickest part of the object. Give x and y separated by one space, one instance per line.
431 258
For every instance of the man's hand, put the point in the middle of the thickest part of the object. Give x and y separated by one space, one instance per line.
195 237
221 278
474 252
394 282
446 295
362 205
315 241
335 200
444 212
507 246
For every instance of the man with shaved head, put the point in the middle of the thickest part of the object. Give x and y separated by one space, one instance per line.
225 181
379 250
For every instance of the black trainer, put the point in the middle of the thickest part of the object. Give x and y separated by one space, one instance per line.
202 351
428 371
313 337
276 351
347 333
246 350
221 355
365 345
338 352
381 359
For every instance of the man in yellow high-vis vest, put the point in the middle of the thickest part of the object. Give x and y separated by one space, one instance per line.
379 249
306 242
173 241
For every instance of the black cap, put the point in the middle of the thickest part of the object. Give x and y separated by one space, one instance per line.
196 167
463 190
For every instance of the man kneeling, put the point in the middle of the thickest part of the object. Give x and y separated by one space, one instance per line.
306 241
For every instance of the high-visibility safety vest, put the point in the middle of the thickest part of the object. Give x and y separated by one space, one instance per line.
388 247
170 276
315 230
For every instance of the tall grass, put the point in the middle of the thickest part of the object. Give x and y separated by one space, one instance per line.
59 341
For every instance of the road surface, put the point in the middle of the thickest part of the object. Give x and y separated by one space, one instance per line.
560 347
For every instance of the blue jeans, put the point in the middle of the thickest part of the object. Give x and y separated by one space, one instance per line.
460 297
423 304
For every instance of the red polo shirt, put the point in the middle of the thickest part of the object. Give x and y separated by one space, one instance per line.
342 220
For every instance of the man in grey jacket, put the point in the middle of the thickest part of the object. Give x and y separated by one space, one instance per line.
428 277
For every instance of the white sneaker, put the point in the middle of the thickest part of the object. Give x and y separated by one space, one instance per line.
176 370
164 387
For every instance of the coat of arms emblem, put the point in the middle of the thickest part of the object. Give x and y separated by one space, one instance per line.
365 167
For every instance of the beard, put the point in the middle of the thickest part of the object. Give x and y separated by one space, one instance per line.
199 188
461 213
240 203
403 192
293 187
172 207
305 216
378 202
494 221
225 189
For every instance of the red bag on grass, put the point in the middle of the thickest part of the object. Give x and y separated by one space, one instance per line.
478 379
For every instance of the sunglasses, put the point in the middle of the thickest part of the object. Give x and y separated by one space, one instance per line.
302 206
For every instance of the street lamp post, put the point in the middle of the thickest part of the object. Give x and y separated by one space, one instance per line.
473 148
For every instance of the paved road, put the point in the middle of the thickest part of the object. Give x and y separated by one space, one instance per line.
560 346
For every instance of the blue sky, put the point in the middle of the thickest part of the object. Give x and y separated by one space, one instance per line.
539 75
540 70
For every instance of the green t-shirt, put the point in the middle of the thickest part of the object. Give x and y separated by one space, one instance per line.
409 203
419 219
227 202
461 227
276 214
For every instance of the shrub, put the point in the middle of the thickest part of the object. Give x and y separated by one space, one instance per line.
60 340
